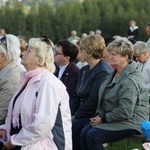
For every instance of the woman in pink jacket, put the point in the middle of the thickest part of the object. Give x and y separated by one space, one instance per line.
39 116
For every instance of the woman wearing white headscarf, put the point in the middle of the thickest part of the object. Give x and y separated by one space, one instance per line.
9 72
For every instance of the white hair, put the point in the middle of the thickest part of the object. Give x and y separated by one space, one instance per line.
12 48
140 47
74 32
84 35
98 32
117 36
44 51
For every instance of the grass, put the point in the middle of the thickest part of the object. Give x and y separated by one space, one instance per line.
126 144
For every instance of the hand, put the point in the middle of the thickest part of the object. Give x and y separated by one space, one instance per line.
131 36
95 121
73 118
3 135
8 145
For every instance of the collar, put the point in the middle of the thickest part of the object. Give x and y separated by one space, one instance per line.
30 74
132 29
6 69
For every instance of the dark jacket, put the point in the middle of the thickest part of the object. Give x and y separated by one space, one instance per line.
134 32
85 98
69 77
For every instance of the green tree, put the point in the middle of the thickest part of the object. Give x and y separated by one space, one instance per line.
58 18
45 21
107 12
32 21
13 19
67 17
91 16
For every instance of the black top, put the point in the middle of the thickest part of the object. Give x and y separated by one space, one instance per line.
85 99
15 130
135 33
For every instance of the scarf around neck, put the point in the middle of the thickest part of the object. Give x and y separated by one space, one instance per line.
16 110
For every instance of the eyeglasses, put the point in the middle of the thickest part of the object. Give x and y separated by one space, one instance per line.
3 41
57 53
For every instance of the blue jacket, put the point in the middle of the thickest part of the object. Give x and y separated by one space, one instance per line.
85 99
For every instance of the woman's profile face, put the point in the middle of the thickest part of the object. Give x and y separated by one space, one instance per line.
30 59
116 59
147 29
132 23
141 57
79 56
85 55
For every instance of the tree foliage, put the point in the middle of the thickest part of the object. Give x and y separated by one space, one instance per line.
57 20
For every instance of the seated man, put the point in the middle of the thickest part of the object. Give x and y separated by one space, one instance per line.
73 37
66 69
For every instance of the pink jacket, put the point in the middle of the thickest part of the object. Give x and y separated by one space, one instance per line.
45 118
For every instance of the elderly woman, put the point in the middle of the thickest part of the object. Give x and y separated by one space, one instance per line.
123 101
81 62
9 72
85 99
142 56
39 114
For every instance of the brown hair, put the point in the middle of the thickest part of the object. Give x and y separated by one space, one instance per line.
94 45
23 45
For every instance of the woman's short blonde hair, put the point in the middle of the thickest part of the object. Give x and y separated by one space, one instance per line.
94 45
122 46
45 52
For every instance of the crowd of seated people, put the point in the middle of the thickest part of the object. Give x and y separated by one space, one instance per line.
76 94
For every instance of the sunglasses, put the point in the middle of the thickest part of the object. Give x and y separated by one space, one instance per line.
3 41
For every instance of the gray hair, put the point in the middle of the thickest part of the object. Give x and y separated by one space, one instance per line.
84 35
122 46
73 32
12 48
98 32
116 36
44 51
147 25
140 47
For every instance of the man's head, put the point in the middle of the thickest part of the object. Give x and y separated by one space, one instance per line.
91 32
73 33
98 32
147 28
2 32
65 53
